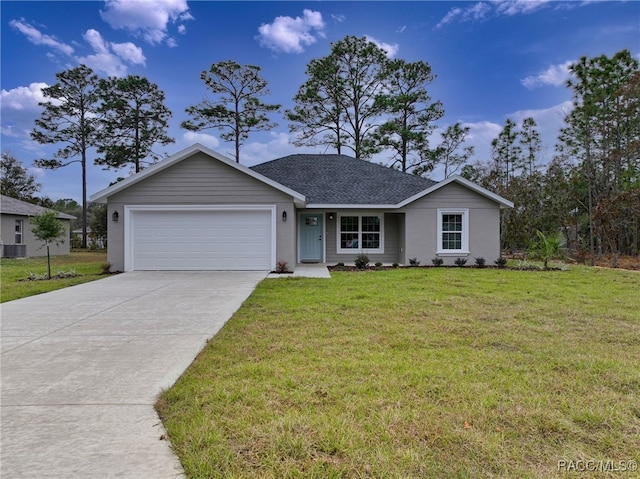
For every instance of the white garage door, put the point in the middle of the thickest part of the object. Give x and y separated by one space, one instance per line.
235 239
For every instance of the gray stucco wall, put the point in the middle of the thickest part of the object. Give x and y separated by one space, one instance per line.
422 223
34 246
200 180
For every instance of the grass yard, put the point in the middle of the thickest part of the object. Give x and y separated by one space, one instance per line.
88 265
418 373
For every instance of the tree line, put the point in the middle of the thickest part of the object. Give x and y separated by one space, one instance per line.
590 191
356 100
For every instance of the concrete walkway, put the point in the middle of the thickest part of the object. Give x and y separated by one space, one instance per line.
306 270
81 369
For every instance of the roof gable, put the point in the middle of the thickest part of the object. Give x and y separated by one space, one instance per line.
504 203
343 180
162 165
14 206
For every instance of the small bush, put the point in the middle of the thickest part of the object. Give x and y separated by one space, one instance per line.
480 262
437 262
395 265
37 276
105 268
501 262
460 262
66 274
414 262
45 276
527 266
362 261
282 267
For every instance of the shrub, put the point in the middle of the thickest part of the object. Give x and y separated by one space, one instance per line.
105 268
460 262
46 276
437 262
395 265
480 262
362 261
66 274
282 267
414 262
547 247
501 262
527 266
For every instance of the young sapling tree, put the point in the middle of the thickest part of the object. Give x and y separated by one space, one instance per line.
46 227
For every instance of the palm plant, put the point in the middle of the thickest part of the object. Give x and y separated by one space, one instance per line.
547 247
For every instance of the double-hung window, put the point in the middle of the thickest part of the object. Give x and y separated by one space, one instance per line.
361 233
453 231
19 230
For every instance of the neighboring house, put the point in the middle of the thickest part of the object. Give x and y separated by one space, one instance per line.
15 231
198 210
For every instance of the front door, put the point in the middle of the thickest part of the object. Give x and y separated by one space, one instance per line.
311 231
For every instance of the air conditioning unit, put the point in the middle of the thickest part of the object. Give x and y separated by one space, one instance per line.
14 251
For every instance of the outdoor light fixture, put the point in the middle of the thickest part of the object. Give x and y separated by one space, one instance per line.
115 216
331 216
284 216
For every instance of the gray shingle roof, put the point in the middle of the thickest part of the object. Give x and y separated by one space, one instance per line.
342 180
13 206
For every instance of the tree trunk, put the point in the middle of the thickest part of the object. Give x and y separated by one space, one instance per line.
48 262
84 199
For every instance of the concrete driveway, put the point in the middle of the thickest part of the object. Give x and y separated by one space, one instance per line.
81 369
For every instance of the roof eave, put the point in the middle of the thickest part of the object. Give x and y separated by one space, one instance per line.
337 206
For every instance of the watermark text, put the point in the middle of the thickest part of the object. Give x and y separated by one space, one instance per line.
594 465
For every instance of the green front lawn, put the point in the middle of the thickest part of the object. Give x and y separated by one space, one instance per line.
87 265
417 373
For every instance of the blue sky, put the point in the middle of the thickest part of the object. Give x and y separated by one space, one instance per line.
494 59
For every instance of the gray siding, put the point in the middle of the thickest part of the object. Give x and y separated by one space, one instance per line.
201 180
34 246
422 224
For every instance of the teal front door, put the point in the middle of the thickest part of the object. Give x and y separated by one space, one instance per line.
311 231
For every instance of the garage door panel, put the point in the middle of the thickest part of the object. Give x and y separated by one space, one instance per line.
201 239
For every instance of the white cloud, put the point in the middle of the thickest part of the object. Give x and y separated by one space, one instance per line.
482 10
277 146
291 35
516 7
109 58
148 18
476 12
23 98
38 38
20 107
549 122
191 137
554 75
451 15
391 50
338 18
129 53
480 136
93 38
